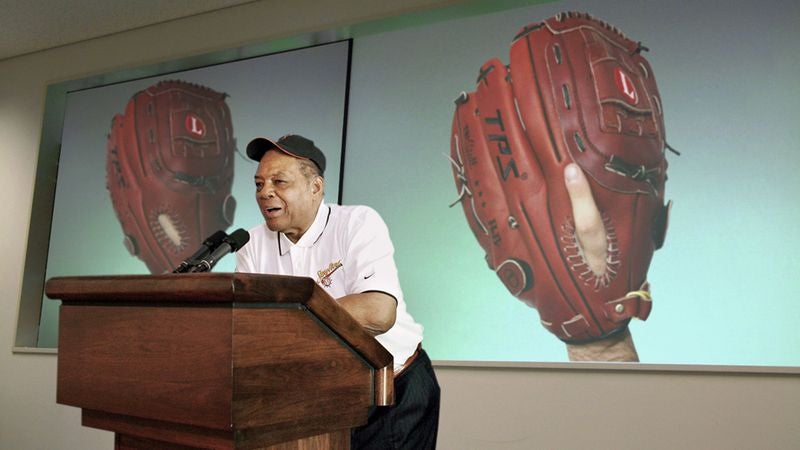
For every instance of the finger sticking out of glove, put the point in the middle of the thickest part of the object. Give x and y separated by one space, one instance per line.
589 228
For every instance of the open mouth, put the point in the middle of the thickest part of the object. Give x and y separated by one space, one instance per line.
271 212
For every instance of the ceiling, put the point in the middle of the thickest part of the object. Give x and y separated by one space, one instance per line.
31 25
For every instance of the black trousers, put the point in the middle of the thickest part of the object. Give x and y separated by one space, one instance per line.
413 421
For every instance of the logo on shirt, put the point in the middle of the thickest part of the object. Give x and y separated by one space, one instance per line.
325 274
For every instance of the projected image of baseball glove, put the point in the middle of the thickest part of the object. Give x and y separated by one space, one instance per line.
169 170
576 90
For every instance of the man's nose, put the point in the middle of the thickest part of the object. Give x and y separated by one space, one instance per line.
266 192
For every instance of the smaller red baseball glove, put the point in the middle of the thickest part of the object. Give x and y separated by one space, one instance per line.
169 170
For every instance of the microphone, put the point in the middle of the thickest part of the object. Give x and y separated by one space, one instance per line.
229 244
211 243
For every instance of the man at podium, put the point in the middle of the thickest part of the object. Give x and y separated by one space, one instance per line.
347 250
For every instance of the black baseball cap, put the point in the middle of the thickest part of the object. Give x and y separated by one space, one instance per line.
291 144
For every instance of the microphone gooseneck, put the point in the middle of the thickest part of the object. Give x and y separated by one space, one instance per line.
208 246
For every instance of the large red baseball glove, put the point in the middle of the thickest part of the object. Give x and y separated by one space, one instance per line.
576 90
169 171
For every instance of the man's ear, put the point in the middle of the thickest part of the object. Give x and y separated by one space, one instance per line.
318 185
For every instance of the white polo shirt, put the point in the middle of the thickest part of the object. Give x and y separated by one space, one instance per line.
347 250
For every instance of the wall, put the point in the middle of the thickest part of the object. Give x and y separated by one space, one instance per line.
486 408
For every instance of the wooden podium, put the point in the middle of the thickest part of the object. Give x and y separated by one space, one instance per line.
216 361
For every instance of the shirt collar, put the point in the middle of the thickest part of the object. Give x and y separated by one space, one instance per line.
311 236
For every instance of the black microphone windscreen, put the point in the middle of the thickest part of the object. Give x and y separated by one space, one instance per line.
215 239
238 239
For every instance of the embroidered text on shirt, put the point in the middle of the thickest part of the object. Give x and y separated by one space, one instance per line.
325 274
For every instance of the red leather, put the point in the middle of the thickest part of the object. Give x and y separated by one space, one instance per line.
575 90
169 171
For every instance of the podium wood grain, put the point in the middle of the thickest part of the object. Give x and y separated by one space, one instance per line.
215 361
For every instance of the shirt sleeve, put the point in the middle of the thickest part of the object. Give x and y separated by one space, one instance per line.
370 255
244 260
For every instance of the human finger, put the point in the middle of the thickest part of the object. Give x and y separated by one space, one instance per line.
589 227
